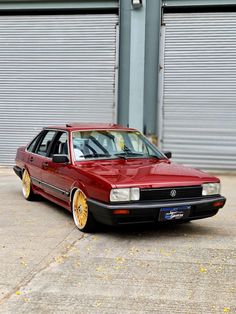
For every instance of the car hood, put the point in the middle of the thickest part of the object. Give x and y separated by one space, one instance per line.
144 173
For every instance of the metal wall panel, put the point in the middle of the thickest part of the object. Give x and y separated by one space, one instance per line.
59 5
194 3
54 69
199 99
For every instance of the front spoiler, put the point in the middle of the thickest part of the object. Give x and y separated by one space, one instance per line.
18 171
142 212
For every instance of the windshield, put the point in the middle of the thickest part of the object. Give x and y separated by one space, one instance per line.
112 144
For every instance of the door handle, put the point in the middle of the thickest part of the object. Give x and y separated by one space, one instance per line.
45 165
31 159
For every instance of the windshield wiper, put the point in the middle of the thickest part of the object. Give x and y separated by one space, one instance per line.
131 154
121 155
154 156
128 154
96 155
135 154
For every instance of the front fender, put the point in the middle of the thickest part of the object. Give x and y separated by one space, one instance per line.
78 185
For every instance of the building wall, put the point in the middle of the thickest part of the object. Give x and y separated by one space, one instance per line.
58 64
197 96
141 63
145 90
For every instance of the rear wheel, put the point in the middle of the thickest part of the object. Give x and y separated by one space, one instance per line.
82 217
26 186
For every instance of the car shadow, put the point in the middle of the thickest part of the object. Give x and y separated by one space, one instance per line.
190 229
53 206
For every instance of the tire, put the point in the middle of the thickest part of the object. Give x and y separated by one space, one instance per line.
83 218
26 186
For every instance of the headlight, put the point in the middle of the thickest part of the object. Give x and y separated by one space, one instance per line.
134 194
124 195
120 195
210 189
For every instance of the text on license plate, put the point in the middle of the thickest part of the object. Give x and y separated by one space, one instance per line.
172 213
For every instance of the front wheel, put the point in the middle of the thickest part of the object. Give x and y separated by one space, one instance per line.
26 186
83 219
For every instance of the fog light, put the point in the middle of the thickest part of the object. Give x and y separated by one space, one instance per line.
121 212
218 204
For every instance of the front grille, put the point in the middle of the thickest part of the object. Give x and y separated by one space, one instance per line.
165 193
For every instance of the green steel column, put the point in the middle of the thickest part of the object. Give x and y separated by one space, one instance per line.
152 34
124 62
137 63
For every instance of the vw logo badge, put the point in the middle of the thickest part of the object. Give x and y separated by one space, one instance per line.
173 193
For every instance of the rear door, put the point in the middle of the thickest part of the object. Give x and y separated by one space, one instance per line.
38 157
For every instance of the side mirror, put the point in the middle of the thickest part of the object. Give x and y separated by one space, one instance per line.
60 159
168 154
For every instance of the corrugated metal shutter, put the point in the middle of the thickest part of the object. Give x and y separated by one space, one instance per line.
199 100
54 69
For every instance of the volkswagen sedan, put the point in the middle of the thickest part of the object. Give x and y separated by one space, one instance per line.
113 175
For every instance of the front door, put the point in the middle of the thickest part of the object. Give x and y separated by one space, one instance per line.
56 176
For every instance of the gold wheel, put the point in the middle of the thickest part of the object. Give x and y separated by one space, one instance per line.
26 184
80 209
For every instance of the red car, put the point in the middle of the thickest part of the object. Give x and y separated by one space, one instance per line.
113 175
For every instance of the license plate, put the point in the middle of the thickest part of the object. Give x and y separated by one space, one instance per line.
174 213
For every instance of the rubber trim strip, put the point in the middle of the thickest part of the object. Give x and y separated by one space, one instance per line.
52 187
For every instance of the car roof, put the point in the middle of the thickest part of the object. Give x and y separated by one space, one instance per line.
89 126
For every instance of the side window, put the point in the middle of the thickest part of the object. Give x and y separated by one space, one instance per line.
31 146
44 145
61 145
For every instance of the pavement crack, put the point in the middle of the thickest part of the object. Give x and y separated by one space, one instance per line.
46 259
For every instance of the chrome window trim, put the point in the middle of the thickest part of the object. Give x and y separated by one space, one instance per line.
28 145
145 139
56 130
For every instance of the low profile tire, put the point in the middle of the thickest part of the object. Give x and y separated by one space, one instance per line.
26 186
83 218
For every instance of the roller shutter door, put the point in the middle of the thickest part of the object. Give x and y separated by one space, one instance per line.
54 69
199 98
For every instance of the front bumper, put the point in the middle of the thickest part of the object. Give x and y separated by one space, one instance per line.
18 171
146 212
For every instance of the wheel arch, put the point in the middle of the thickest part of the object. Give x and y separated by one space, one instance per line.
25 168
75 188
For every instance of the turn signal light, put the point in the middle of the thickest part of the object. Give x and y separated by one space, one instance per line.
218 204
121 212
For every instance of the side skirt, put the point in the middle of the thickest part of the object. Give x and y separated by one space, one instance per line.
54 199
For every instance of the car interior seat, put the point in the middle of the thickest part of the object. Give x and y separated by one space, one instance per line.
57 147
47 146
63 149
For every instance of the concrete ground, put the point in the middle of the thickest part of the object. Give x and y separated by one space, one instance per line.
48 266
